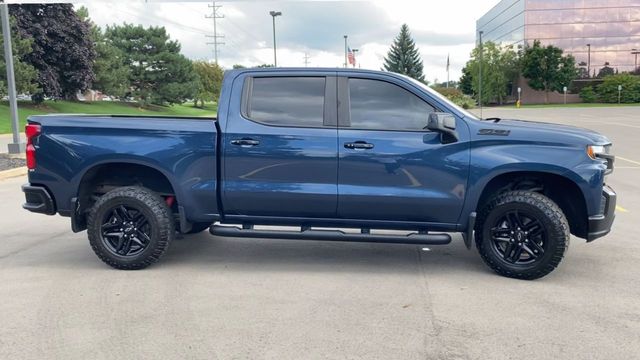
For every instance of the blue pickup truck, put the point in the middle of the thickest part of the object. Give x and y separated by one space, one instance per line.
334 154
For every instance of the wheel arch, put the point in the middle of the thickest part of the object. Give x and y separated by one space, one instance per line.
561 189
105 175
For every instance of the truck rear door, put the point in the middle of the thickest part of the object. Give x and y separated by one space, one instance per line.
279 146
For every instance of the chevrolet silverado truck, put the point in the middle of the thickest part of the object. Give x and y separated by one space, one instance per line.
324 154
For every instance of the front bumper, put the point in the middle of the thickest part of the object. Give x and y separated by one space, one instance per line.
38 200
600 225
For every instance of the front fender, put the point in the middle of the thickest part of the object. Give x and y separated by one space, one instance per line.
492 158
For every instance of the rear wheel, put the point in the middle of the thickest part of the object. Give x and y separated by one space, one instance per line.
522 234
130 228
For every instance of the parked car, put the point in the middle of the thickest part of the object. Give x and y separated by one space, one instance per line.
320 149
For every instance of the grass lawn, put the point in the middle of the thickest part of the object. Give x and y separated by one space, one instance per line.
26 109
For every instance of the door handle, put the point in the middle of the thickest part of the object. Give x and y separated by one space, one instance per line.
245 142
358 145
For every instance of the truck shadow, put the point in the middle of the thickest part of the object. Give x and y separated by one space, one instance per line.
205 251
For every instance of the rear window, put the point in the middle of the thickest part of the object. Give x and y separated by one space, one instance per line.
287 101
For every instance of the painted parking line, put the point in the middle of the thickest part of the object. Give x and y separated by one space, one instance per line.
628 160
621 209
621 124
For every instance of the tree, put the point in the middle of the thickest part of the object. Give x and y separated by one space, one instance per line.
25 74
209 82
546 69
62 50
605 71
500 69
158 74
403 56
466 82
111 72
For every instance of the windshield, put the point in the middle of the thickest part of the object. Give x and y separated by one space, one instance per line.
440 97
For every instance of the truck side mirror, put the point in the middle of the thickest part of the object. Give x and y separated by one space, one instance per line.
445 124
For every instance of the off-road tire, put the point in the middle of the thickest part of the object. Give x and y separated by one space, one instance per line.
158 216
546 211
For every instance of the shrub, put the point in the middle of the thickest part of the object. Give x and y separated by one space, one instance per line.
608 90
449 93
457 97
588 95
464 101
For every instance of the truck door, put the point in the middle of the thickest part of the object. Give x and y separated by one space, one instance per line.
279 146
389 167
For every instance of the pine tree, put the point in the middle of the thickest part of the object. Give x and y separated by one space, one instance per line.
403 57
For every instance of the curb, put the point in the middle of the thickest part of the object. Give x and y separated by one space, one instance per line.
6 174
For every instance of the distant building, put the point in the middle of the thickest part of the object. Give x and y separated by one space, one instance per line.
595 32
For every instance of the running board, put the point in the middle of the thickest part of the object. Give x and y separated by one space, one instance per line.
331 235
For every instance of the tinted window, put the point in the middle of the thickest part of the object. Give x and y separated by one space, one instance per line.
380 105
287 101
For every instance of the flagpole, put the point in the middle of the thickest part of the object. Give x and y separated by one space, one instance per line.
447 71
345 52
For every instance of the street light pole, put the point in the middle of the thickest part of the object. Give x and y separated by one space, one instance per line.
480 77
16 147
275 54
346 62
588 60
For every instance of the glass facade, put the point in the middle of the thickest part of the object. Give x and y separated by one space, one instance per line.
595 32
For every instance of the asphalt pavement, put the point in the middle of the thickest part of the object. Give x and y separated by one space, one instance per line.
223 298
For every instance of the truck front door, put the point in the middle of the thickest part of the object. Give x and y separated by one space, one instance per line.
389 167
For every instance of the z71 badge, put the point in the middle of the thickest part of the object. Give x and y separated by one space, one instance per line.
497 132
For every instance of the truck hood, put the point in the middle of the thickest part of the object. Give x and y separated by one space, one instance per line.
559 132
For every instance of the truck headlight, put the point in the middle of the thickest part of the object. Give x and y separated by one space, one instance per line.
594 150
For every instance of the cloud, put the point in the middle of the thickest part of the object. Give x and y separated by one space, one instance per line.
315 28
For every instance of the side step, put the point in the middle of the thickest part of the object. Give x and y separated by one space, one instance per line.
331 235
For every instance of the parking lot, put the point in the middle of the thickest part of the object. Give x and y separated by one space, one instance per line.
223 298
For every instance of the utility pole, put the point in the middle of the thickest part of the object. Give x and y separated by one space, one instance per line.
346 62
16 147
480 77
306 59
589 59
275 54
214 15
635 63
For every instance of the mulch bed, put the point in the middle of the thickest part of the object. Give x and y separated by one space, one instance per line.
7 162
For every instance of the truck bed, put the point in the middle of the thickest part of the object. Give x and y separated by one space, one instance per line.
183 149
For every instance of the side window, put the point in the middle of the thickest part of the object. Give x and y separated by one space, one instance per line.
379 105
287 101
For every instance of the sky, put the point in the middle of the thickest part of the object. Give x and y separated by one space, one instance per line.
314 28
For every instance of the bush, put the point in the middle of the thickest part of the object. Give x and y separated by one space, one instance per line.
449 93
464 101
608 90
457 97
588 95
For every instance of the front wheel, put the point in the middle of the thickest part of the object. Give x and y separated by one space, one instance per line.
522 234
130 228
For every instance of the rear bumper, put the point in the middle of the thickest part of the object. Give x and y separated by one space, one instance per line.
600 225
38 200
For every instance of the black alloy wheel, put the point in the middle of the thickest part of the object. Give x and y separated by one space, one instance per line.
125 231
130 227
522 234
519 237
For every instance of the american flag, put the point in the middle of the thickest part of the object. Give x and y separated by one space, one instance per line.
352 57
